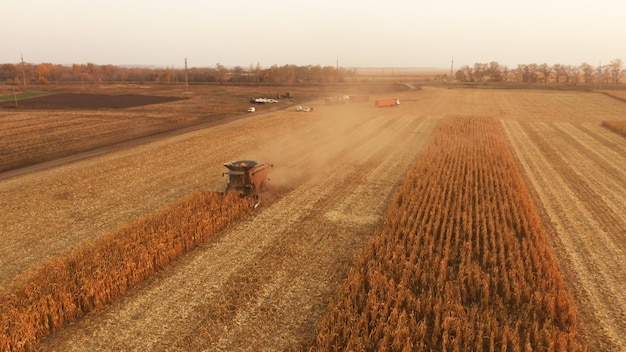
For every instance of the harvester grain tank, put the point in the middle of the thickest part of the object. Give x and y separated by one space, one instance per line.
387 103
248 177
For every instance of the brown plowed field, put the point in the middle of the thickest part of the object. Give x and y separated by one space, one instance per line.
264 283
89 101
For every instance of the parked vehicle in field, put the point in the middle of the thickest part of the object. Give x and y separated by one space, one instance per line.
387 103
341 99
263 101
248 177
305 108
251 109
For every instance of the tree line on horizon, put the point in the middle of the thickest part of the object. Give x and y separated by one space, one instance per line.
584 73
47 73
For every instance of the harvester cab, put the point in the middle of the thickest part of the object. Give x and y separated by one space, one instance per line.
247 177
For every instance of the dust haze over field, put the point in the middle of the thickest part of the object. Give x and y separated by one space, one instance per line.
329 133
333 178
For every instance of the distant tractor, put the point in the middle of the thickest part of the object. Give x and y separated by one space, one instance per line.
247 177
305 109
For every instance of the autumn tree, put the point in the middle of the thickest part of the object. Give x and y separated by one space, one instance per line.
546 72
465 74
574 75
306 73
221 73
559 72
45 73
616 70
526 73
330 75
480 70
605 73
9 74
588 72
494 71
460 75
167 75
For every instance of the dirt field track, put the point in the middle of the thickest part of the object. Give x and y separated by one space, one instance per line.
264 283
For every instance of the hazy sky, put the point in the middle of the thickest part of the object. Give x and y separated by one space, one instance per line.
358 33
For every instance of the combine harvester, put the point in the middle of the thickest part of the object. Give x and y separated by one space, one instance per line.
247 177
387 103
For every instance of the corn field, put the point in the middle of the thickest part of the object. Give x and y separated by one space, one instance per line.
461 262
47 298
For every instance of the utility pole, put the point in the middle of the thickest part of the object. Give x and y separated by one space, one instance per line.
599 75
186 76
23 71
451 69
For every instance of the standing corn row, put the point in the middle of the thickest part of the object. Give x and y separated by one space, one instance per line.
461 263
94 274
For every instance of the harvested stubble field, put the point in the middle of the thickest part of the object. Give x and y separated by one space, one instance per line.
265 283
71 120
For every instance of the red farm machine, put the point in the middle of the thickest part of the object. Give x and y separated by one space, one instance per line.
387 103
247 177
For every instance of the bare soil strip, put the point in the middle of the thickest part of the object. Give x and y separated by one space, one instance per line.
89 101
587 231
